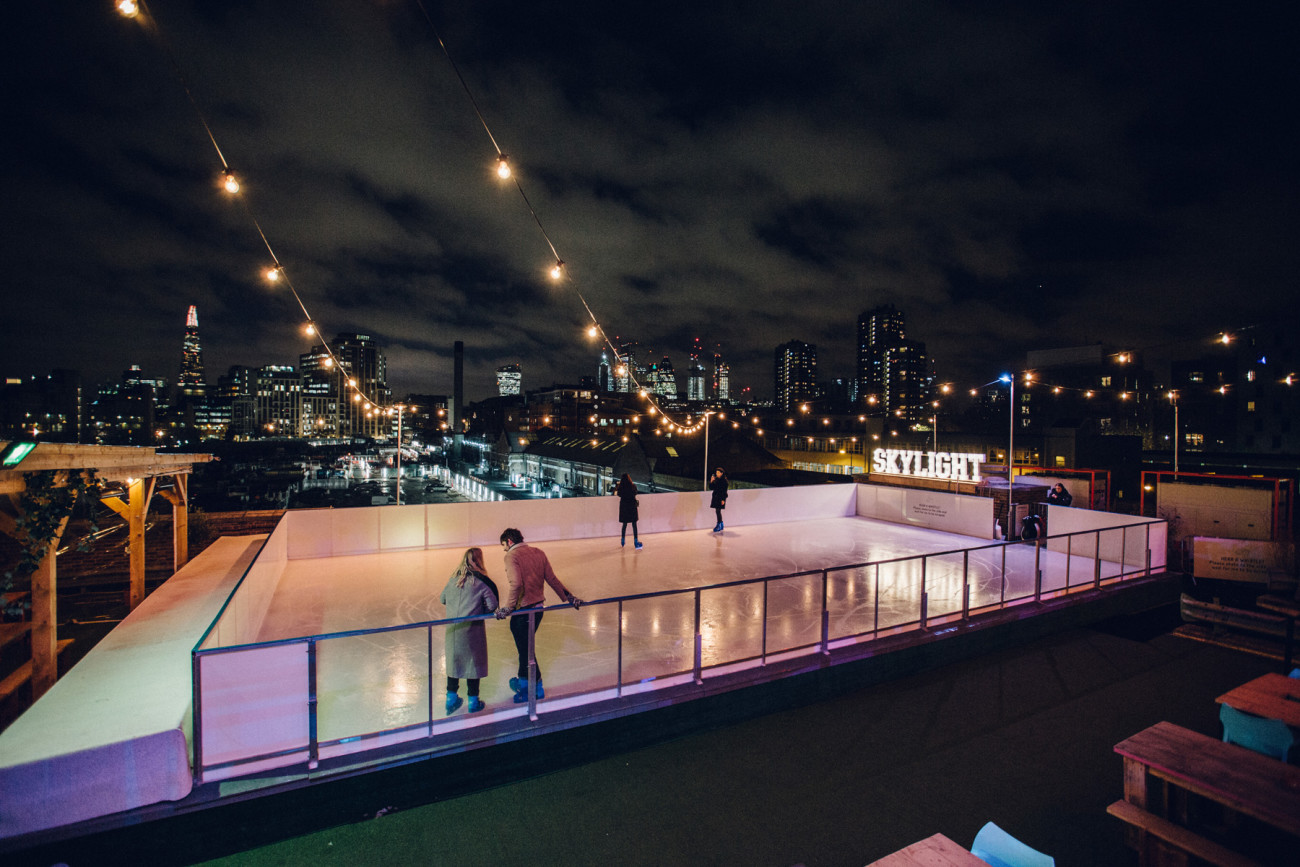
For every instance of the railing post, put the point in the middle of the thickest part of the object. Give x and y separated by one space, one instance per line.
1038 571
965 585
763 659
1123 551
428 668
196 678
313 751
1069 555
876 597
1003 597
619 690
925 597
532 664
1096 560
699 643
1148 550
826 618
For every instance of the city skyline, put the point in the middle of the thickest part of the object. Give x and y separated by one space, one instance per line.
1015 178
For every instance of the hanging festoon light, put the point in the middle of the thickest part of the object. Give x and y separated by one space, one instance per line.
503 167
274 273
557 270
229 182
128 8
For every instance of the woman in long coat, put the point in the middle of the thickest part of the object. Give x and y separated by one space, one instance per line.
718 485
627 508
469 591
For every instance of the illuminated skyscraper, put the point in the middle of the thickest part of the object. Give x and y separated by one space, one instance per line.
663 379
509 380
192 383
796 374
363 363
879 330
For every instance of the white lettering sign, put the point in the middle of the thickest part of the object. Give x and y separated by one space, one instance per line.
956 466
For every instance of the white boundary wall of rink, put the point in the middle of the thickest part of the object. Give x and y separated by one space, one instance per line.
255 705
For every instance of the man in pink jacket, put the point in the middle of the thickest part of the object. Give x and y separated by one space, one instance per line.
527 571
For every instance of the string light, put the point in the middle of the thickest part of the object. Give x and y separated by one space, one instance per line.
557 270
230 182
128 8
503 167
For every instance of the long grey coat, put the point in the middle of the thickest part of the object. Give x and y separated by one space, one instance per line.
466 643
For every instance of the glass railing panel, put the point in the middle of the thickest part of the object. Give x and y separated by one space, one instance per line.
900 592
576 650
1022 560
943 583
851 601
658 637
794 612
987 576
1111 544
376 682
731 624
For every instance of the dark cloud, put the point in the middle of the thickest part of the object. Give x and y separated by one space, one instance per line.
1011 175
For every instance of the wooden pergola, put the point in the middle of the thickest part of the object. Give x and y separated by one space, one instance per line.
135 472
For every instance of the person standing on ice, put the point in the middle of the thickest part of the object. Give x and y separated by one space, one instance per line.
469 591
528 570
627 509
718 485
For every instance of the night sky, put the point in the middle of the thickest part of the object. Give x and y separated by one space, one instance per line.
1012 175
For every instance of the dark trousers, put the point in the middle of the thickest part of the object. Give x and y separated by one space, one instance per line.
519 630
718 512
634 536
471 683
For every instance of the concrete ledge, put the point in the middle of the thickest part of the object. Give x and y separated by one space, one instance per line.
112 734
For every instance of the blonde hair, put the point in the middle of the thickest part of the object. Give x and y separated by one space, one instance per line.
472 561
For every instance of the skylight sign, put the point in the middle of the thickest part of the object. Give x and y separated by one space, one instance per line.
954 466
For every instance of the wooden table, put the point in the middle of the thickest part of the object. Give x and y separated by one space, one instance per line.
935 851
1273 696
1241 780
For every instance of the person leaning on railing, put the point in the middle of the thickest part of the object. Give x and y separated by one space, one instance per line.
528 570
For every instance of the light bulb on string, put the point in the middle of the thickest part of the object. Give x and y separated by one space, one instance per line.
592 332
503 167
230 182
128 8
557 270
309 329
273 274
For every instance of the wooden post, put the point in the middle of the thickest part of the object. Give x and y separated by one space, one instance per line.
45 619
179 498
134 510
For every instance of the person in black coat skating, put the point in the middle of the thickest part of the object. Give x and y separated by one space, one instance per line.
627 509
718 485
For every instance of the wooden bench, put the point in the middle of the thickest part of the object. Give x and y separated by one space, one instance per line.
1156 837
23 673
1168 769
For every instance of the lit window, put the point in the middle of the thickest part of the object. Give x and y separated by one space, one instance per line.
1250 376
1105 382
1250 406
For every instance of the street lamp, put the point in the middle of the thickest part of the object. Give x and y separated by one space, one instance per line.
1011 443
1173 398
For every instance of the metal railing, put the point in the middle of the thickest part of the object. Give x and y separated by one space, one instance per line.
812 610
